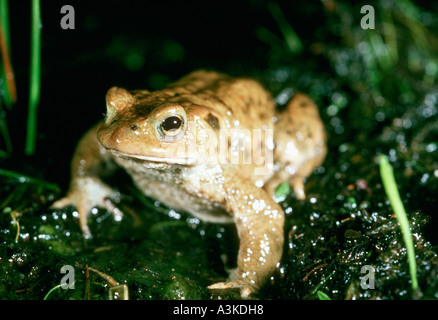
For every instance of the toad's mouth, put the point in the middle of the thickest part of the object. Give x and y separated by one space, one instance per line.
166 160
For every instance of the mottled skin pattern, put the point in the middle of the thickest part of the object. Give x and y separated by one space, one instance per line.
189 164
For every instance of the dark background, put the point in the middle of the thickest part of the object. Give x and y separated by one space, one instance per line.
137 45
145 45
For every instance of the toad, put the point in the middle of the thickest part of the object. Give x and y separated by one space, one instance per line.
211 145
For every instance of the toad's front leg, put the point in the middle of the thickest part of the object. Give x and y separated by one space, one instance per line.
87 191
259 221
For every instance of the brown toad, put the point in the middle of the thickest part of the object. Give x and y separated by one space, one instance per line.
211 145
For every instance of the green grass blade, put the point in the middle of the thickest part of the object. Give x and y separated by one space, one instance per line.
6 70
51 290
4 16
322 295
28 180
46 297
292 40
387 174
35 77
4 131
282 191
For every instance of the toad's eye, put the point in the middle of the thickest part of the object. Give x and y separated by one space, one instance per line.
172 126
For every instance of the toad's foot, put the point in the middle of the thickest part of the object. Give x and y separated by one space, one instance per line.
246 289
297 184
85 194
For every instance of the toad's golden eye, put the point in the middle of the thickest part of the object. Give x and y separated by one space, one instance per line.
172 126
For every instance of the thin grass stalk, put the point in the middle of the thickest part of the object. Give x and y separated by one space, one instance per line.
4 16
27 179
292 40
9 89
35 77
4 131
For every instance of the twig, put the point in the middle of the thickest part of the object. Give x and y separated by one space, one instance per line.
313 270
108 278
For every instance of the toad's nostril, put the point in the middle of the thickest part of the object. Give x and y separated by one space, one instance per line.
134 127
